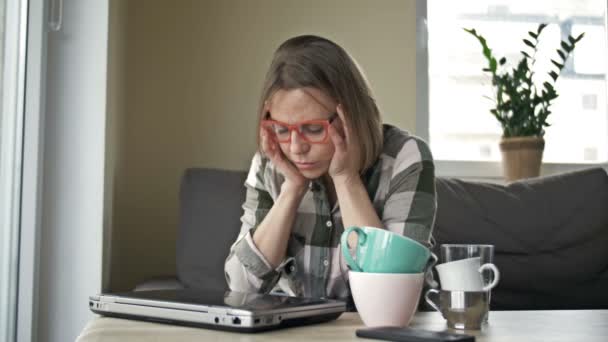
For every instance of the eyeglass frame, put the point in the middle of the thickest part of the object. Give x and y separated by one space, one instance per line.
297 126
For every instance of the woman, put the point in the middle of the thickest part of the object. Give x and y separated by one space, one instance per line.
325 162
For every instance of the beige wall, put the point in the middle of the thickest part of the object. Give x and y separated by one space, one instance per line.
194 71
115 125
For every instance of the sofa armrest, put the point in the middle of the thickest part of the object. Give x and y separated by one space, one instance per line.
161 283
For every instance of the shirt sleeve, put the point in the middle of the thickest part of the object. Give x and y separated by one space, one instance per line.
246 269
410 204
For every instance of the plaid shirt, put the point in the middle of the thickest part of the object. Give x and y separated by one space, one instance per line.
401 185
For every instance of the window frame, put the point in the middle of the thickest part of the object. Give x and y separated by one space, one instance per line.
34 23
11 158
486 170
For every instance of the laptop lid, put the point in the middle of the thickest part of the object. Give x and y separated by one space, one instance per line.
236 311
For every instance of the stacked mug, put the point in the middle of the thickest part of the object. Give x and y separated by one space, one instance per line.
467 276
387 273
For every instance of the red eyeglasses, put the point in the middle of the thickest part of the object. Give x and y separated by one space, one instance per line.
313 131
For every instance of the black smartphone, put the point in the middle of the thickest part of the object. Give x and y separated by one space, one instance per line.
412 335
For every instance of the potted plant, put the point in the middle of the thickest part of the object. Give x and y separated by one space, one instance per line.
522 104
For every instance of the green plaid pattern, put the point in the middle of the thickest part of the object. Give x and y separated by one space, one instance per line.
401 185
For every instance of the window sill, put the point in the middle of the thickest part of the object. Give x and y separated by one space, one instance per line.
492 171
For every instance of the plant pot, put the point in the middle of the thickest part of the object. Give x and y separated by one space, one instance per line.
521 157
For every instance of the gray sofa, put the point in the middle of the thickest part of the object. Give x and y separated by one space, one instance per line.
550 234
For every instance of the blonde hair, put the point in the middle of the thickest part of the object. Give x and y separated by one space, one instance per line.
312 61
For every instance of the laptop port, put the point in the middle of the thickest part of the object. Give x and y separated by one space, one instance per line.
236 320
217 320
256 321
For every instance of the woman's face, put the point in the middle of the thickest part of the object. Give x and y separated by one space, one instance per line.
304 104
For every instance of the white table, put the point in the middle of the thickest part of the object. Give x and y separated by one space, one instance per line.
520 326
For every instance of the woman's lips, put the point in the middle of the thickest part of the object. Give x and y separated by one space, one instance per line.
304 166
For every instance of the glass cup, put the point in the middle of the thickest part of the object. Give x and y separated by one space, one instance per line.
453 252
462 309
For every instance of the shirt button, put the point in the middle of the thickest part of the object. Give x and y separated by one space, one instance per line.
326 262
328 223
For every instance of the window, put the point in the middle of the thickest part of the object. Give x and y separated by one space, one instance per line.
11 125
460 126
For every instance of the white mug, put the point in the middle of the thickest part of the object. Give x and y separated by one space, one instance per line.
465 275
386 299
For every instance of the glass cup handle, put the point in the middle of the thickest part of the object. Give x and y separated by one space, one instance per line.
495 272
344 245
427 298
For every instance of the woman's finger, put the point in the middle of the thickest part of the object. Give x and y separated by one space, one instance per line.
336 138
273 152
266 145
271 149
344 123
286 167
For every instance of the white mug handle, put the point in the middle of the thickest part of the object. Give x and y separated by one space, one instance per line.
428 275
428 299
495 272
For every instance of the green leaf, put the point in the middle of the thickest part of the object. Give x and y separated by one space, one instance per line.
565 46
580 36
471 31
529 43
540 29
553 75
561 54
493 64
525 54
486 51
502 61
559 66
571 40
532 34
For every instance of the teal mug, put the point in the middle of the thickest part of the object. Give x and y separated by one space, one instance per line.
381 251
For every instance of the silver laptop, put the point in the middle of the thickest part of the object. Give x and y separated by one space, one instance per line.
236 311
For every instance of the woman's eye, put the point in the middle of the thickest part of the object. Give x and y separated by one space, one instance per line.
313 129
280 130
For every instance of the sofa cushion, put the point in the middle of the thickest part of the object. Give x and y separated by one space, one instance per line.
550 236
209 222
550 233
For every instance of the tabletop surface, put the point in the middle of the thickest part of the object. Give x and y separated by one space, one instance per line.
521 326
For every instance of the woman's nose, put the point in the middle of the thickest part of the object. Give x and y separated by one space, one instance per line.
298 145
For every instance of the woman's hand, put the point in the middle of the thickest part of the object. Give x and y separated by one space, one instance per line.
294 180
344 164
